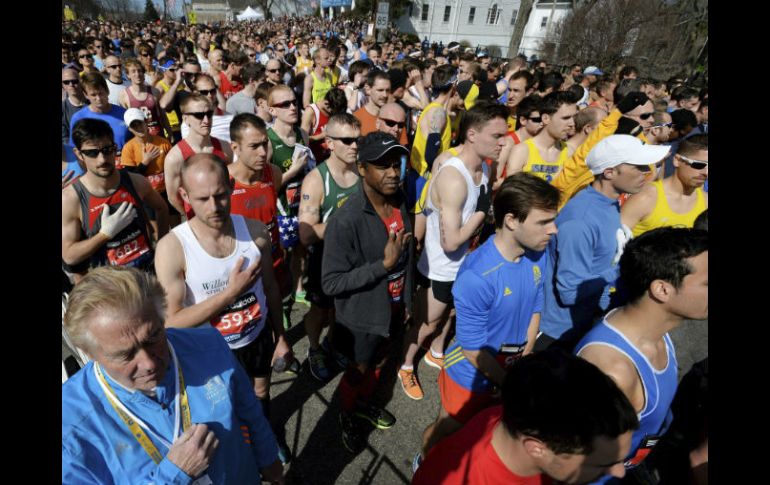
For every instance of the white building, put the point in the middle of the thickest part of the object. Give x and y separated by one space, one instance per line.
487 23
543 18
480 23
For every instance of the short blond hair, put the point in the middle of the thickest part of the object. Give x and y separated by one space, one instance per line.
275 89
111 290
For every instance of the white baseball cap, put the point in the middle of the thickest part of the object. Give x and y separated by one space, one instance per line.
132 114
617 149
593 70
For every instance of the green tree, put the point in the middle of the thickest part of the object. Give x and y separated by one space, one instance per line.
149 11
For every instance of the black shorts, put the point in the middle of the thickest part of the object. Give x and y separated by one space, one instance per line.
313 290
367 348
257 357
442 290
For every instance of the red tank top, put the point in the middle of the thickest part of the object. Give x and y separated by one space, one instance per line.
187 152
318 147
151 110
226 87
260 202
130 247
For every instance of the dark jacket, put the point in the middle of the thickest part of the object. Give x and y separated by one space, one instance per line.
352 270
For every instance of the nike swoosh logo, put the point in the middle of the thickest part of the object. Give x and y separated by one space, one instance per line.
387 142
278 146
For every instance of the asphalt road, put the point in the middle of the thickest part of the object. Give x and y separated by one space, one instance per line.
308 412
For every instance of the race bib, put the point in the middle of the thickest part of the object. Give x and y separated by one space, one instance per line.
644 449
509 354
239 319
157 181
128 250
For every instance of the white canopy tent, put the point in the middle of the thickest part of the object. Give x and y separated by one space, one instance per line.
250 14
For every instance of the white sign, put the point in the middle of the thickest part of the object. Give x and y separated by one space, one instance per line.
382 21
383 7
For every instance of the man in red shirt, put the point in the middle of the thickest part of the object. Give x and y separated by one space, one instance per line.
561 420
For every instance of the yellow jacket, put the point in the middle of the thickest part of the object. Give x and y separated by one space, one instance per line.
575 176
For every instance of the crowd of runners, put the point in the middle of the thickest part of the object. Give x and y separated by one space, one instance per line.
532 231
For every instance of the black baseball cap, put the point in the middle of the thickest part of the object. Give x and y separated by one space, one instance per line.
378 146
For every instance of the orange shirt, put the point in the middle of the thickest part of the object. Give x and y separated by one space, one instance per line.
132 155
369 124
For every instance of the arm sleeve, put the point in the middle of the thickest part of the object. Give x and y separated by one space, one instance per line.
338 275
575 173
473 301
575 281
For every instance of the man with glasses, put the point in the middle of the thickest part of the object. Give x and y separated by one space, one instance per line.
116 83
391 120
324 190
181 85
73 102
676 200
145 57
284 135
198 114
97 49
220 126
273 70
583 257
103 222
660 131
368 265
545 153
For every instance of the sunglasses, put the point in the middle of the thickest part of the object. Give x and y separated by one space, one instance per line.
536 119
696 164
202 114
392 123
206 92
105 150
85 56
144 54
645 116
273 70
71 82
114 66
664 125
347 140
172 69
286 104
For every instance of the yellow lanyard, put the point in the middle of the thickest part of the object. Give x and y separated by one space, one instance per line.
135 424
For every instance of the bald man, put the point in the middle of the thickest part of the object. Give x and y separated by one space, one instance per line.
391 120
114 76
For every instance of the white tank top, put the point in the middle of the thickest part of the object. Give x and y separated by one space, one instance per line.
241 322
434 262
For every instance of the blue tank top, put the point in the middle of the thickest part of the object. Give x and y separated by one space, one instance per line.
659 389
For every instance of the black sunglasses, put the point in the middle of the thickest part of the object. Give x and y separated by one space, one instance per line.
285 104
347 140
645 116
392 123
273 70
535 119
206 92
144 54
105 150
201 114
113 66
71 82
696 164
85 56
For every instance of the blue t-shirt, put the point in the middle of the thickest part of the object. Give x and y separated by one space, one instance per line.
495 300
114 118
98 447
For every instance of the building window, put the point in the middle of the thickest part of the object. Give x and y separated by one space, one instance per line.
447 12
513 17
471 15
493 15
544 22
424 12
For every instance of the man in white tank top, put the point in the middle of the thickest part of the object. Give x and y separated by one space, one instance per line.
217 270
458 201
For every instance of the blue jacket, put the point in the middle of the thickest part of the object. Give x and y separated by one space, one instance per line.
97 446
580 272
